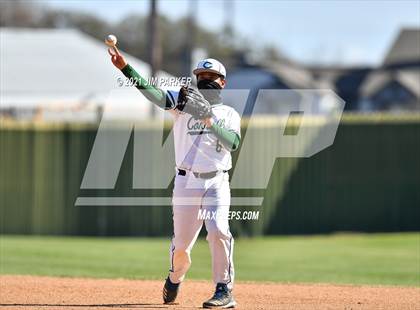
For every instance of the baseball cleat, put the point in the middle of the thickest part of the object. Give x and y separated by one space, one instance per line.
170 291
221 299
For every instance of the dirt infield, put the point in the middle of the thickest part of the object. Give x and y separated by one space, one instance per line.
30 292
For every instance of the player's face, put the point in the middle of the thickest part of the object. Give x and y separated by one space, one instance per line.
213 77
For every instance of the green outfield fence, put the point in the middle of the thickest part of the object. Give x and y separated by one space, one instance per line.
368 180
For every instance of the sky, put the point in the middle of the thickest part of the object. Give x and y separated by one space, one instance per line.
312 32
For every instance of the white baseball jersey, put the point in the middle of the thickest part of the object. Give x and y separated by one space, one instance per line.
196 147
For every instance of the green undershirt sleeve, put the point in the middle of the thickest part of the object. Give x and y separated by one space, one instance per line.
154 94
228 138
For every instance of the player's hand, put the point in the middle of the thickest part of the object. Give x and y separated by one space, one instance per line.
117 59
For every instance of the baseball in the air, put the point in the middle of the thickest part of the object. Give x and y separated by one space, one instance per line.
111 40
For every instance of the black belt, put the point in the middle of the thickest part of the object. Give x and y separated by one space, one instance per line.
201 175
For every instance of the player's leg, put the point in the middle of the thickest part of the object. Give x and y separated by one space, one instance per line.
187 225
186 230
220 242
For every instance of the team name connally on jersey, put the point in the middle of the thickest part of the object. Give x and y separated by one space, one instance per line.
196 147
197 127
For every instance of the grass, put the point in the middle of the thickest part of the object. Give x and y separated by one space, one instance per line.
384 259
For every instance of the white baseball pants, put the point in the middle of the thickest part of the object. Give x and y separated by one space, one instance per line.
192 196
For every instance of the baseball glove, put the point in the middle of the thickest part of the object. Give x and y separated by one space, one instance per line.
191 101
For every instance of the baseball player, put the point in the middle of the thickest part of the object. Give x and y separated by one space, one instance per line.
205 132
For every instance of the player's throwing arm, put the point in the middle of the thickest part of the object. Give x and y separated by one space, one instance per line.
189 100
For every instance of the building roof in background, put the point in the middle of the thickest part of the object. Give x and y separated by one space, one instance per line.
406 48
43 67
292 75
377 80
251 76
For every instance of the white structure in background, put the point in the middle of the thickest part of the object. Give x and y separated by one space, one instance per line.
64 75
